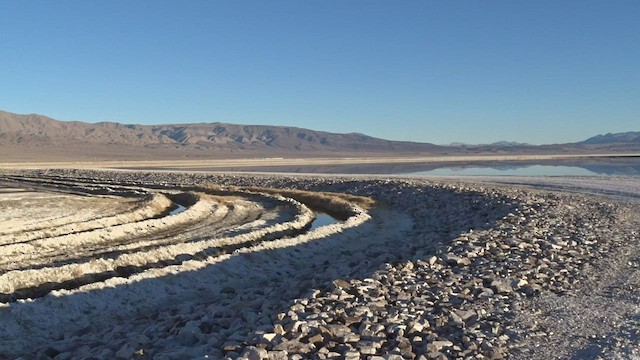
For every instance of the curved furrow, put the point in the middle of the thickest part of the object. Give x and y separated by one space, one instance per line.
114 276
243 213
215 221
79 187
151 207
38 282
20 254
221 220
54 215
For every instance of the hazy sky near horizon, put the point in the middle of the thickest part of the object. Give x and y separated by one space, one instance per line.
543 71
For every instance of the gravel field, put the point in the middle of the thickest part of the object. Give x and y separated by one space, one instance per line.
523 268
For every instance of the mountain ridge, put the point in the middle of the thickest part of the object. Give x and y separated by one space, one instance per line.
33 136
39 129
609 138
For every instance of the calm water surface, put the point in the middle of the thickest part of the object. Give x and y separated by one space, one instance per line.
576 167
322 219
179 208
532 170
614 166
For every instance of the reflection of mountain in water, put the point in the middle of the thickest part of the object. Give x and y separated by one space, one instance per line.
631 169
604 166
609 167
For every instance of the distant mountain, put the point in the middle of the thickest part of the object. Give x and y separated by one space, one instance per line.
201 139
40 138
617 138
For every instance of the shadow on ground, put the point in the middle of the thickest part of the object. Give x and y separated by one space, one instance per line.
229 299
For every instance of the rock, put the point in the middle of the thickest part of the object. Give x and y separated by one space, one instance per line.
486 293
519 283
436 355
436 346
532 289
230 346
416 327
393 357
125 352
253 353
278 329
188 336
293 347
269 337
228 290
501 287
456 260
367 349
341 284
316 339
465 315
278 355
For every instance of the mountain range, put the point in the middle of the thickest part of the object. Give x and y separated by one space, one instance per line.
37 137
630 137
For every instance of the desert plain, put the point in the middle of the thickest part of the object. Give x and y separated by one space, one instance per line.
183 264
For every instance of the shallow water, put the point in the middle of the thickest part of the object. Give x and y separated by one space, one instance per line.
322 219
532 170
605 167
602 166
177 210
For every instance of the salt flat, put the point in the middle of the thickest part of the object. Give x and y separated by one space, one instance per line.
433 268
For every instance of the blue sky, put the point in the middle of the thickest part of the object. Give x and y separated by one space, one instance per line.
432 71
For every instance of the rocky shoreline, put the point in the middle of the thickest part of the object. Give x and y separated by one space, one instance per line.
460 302
444 269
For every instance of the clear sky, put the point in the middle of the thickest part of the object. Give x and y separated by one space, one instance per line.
432 71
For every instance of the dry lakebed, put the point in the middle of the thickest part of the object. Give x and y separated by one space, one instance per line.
103 264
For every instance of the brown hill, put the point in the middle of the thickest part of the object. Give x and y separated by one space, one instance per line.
44 137
40 138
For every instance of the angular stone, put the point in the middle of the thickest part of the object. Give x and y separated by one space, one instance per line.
367 349
415 327
341 284
339 331
125 352
253 353
278 355
466 314
278 329
316 339
486 293
436 355
456 260
436 346
189 336
228 290
354 355
231 346
269 336
501 287
519 283
293 346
